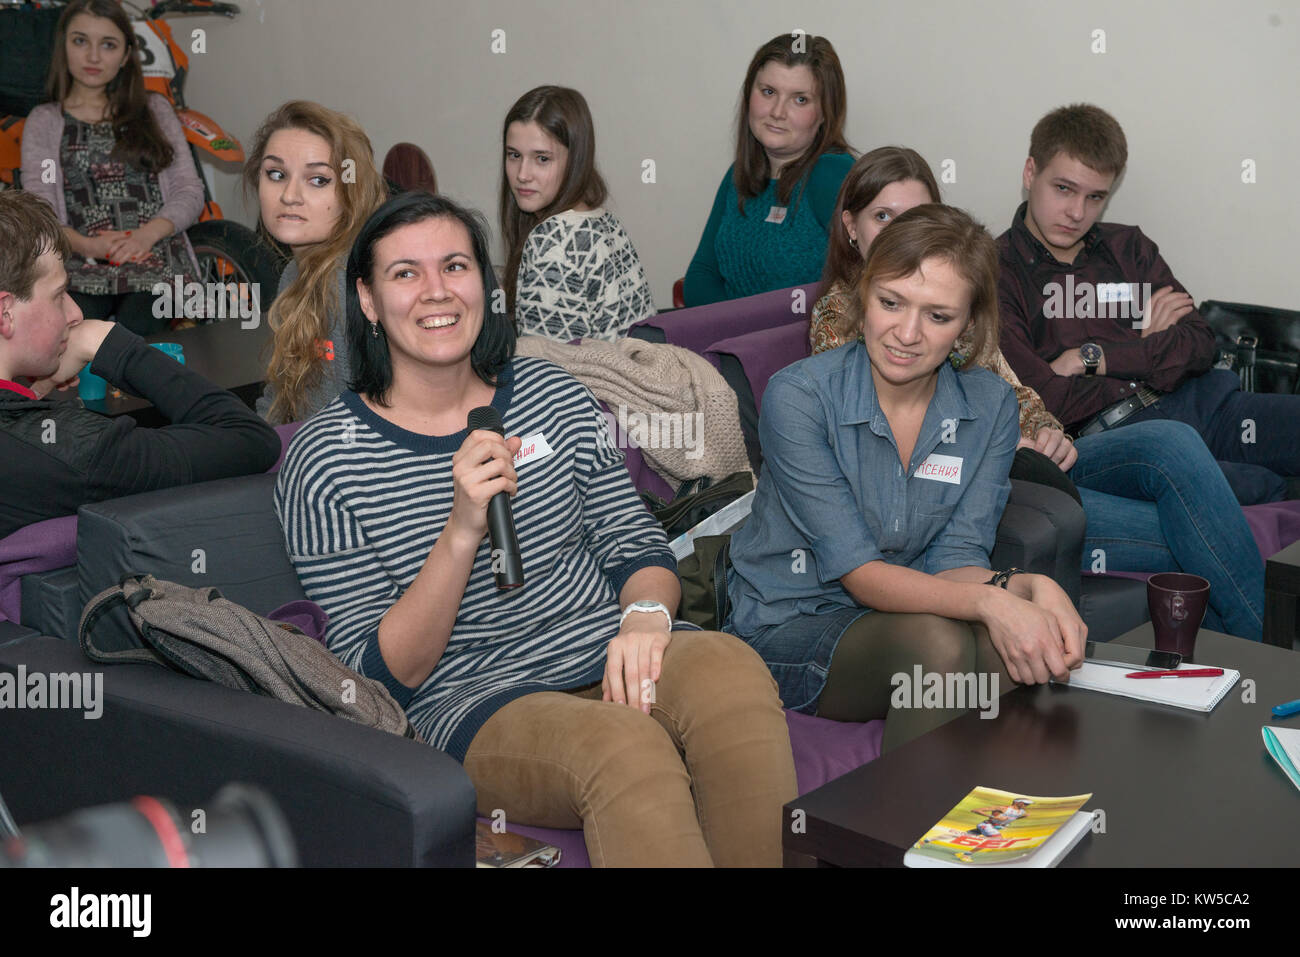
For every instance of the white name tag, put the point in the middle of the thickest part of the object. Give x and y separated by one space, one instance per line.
776 214
1114 292
533 448
941 468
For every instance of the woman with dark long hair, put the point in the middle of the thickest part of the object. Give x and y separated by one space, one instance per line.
314 175
112 160
772 211
571 270
570 700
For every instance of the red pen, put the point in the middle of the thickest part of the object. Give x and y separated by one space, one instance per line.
1185 673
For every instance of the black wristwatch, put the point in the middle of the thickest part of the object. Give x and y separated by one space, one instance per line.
1000 579
1091 354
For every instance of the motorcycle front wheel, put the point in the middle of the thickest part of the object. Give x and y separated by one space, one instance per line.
235 261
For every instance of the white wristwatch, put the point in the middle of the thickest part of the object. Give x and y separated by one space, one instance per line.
650 606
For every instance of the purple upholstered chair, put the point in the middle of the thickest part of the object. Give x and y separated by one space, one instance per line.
1274 525
41 547
699 327
763 352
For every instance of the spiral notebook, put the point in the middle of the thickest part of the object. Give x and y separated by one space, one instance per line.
1195 694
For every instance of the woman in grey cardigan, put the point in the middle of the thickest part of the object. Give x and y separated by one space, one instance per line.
112 161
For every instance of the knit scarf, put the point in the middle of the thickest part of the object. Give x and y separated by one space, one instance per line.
671 403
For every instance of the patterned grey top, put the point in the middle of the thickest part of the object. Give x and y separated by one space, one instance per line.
580 277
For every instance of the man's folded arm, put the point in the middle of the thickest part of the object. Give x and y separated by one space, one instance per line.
212 433
1072 399
1167 358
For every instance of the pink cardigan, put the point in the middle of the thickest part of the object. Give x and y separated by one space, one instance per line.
182 190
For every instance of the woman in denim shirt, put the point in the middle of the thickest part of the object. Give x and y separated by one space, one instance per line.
885 476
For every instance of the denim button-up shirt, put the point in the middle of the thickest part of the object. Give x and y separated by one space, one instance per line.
834 495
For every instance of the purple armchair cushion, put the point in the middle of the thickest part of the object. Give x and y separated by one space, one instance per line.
285 432
41 547
764 352
644 478
307 616
1275 525
699 327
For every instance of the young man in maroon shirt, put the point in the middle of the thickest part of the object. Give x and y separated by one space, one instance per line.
1094 320
57 454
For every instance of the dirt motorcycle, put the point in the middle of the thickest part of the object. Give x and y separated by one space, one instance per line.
227 252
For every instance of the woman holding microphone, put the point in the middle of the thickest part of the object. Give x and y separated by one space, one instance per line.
568 699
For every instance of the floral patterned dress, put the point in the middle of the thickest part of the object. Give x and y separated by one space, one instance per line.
106 193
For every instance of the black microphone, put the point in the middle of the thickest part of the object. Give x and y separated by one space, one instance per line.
507 564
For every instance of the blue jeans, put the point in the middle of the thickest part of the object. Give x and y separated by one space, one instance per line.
798 652
1253 435
1156 500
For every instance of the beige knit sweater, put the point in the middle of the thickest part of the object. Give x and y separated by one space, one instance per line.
672 403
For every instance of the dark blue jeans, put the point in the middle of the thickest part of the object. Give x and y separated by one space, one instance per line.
1155 501
1247 432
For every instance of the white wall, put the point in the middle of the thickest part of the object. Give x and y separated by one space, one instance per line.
1199 87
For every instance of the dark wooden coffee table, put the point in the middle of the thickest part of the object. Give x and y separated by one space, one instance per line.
1281 593
224 353
1179 788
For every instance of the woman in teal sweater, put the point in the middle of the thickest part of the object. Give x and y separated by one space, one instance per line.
771 216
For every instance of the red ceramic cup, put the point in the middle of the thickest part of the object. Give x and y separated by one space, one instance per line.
1177 603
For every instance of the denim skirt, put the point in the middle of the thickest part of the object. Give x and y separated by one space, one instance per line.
798 653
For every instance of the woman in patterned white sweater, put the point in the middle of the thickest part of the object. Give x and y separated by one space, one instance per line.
668 748
571 270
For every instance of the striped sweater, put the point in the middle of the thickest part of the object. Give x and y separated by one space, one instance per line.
362 503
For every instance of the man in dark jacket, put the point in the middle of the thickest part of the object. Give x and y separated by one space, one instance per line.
57 454
1095 322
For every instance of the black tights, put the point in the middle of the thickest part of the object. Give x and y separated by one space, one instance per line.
132 309
879 645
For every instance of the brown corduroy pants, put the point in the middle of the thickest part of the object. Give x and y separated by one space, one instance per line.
700 781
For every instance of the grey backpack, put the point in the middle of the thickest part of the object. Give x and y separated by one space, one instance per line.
201 634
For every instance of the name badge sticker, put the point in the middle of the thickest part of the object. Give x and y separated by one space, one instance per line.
533 448
941 468
1114 292
776 214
